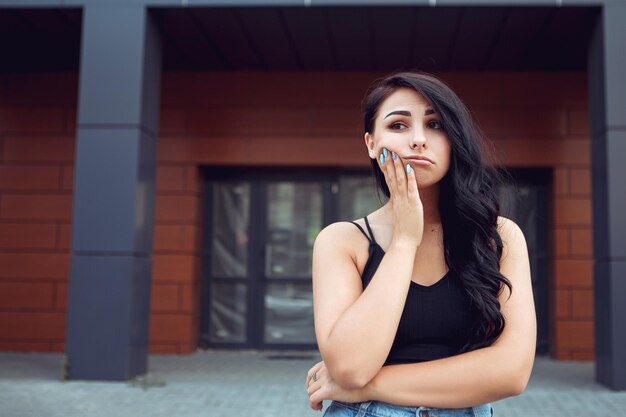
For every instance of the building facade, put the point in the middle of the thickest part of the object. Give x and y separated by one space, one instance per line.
161 193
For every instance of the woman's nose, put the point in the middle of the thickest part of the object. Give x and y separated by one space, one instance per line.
418 140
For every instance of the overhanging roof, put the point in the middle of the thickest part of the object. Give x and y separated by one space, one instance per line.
348 38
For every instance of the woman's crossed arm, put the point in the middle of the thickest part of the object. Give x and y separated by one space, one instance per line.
483 375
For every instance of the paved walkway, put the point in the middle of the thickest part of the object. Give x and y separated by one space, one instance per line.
254 384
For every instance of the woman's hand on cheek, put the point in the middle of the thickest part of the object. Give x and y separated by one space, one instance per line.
407 209
325 388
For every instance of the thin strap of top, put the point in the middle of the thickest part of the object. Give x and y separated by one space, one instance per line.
371 240
369 229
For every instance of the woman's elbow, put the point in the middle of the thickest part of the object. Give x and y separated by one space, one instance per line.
518 381
519 384
350 379
347 376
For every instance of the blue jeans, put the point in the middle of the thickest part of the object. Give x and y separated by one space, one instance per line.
383 409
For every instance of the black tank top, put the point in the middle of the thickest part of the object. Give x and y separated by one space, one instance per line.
436 319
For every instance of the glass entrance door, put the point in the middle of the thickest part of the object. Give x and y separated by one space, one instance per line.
257 262
293 218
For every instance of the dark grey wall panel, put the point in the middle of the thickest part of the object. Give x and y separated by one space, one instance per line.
607 65
112 287
597 104
599 187
150 94
607 93
618 291
103 51
113 176
113 211
610 337
616 193
615 65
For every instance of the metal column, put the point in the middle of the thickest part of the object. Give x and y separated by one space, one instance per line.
607 92
113 211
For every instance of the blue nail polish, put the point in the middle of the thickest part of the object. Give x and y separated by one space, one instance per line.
386 152
408 168
382 159
394 156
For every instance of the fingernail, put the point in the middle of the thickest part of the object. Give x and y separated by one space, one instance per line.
386 152
393 156
408 168
382 159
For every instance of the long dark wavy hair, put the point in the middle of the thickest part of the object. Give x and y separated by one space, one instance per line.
468 200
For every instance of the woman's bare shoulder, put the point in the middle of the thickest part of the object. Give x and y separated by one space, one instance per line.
334 247
508 229
512 237
341 234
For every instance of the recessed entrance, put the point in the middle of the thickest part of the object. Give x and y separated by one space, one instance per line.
260 226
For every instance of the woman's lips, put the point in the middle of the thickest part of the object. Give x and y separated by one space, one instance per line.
415 161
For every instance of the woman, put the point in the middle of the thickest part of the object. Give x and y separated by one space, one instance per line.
424 307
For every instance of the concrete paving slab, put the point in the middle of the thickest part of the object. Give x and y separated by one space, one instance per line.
219 383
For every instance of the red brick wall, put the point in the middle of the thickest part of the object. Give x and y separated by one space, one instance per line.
535 120
176 263
36 152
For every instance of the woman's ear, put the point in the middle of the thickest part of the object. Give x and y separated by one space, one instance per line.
369 142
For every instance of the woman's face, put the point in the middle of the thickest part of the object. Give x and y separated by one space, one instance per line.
407 125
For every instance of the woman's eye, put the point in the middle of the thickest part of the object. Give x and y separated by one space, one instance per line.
397 126
435 124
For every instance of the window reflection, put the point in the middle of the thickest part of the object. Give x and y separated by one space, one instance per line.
294 218
228 312
289 313
231 209
357 197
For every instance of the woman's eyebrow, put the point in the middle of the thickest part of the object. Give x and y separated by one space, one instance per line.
400 112
408 113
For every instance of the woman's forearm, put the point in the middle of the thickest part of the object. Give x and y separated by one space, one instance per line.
362 337
465 380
